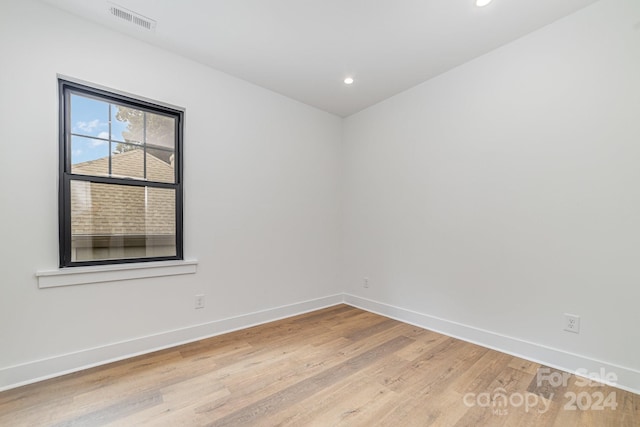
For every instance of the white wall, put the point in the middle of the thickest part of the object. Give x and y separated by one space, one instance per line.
261 213
498 196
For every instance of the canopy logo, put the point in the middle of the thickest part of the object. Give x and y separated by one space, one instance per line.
500 402
551 384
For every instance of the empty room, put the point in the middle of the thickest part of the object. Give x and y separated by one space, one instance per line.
320 213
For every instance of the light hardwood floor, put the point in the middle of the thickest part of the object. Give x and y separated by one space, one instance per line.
336 366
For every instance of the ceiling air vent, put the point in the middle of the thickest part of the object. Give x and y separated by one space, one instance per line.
132 17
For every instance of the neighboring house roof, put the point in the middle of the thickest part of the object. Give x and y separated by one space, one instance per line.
129 164
108 209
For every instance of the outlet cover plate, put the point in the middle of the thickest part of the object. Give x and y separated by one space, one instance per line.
572 323
199 303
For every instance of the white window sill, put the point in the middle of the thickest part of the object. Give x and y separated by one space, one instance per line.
112 273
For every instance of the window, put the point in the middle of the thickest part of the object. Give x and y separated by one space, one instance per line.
120 178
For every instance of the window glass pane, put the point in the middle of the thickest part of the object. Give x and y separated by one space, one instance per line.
127 124
119 122
127 161
89 156
111 221
89 117
161 131
160 166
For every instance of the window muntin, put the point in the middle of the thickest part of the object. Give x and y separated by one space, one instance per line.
121 192
102 130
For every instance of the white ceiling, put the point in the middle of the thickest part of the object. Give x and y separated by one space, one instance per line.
305 48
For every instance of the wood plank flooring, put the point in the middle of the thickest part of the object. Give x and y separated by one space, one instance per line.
339 366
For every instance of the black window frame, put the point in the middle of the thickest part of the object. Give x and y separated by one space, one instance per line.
65 88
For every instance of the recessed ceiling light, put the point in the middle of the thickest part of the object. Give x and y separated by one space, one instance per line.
481 3
348 81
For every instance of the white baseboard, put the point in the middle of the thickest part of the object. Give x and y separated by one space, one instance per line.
627 378
30 372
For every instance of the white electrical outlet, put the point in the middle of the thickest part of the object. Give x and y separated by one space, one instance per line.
572 323
365 282
199 301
